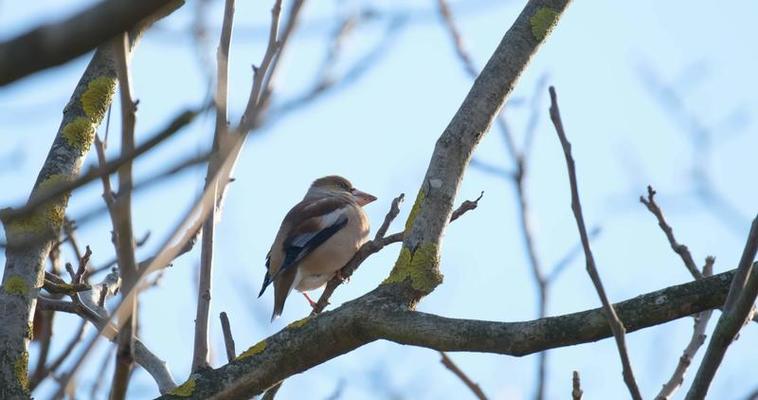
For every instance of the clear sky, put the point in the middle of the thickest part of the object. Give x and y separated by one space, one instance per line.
634 79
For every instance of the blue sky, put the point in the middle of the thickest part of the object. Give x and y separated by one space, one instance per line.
380 132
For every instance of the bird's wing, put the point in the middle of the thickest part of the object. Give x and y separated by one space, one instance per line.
308 225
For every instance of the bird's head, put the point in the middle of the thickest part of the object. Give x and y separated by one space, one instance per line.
336 185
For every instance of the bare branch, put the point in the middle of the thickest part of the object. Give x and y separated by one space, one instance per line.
121 218
576 384
142 355
697 340
680 249
613 320
53 44
466 206
318 339
200 348
231 353
473 386
738 308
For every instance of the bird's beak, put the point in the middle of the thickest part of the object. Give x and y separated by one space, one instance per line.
362 198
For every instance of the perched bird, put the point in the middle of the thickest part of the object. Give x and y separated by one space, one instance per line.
318 236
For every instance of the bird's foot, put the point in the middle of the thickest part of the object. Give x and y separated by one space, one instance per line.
311 302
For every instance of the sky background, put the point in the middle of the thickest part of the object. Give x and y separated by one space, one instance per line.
638 84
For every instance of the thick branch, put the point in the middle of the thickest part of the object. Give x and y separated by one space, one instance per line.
312 341
417 267
53 44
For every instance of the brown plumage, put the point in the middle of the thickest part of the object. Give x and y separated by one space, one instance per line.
318 236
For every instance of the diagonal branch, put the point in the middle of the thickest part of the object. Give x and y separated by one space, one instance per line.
678 248
473 386
613 319
738 306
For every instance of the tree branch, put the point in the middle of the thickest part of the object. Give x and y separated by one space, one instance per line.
737 309
226 328
473 386
121 218
697 340
678 248
200 348
53 44
312 341
24 257
576 383
613 320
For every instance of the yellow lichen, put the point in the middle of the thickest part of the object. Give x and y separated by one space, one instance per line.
257 348
185 389
46 218
414 210
97 97
419 267
21 367
79 134
542 22
299 323
16 285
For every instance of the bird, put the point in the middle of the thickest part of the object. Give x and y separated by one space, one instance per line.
317 237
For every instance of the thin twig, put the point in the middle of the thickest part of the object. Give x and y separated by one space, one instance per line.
200 348
576 385
696 341
259 88
678 248
617 327
465 207
473 386
231 353
121 218
738 307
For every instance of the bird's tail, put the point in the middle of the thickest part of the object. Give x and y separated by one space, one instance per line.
279 297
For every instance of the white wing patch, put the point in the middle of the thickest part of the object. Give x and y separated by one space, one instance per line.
325 221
